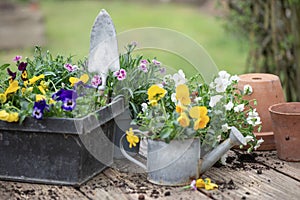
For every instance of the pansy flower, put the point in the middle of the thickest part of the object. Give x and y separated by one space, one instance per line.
200 114
22 66
183 120
84 79
183 94
38 109
68 98
156 92
24 75
131 138
11 74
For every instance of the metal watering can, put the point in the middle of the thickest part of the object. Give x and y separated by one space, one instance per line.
178 162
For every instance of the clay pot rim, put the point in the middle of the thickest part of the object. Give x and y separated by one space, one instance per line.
284 113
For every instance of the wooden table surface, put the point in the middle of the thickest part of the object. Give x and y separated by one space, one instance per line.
260 175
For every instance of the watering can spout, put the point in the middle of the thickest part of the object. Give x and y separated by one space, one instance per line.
235 138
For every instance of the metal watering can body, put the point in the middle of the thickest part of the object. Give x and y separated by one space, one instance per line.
178 162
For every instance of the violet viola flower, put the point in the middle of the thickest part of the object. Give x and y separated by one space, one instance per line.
70 67
11 74
68 98
22 66
120 74
96 81
17 58
38 109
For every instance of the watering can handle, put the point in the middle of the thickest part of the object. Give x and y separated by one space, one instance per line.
130 157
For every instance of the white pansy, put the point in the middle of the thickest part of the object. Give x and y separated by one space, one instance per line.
144 107
173 98
225 128
248 89
214 100
234 78
239 108
259 142
179 78
229 106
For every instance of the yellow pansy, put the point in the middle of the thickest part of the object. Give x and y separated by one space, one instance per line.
183 120
2 98
39 97
24 75
84 78
13 87
4 115
200 114
36 78
206 183
183 94
13 117
156 93
131 138
180 109
42 90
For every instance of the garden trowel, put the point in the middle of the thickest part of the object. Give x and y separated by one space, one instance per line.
103 56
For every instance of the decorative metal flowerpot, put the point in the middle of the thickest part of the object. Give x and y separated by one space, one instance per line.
286 118
175 163
65 151
267 91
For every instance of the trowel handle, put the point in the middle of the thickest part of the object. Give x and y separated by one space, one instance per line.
126 155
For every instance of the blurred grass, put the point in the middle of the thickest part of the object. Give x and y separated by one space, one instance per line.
68 25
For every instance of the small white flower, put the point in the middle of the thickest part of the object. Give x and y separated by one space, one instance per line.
214 100
229 106
173 98
197 99
234 78
221 84
259 142
179 78
248 89
249 138
224 75
144 107
239 108
253 118
225 128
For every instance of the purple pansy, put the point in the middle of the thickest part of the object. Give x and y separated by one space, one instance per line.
17 58
120 74
22 66
11 74
70 67
68 98
38 109
96 81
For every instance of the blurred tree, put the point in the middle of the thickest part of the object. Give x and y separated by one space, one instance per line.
272 27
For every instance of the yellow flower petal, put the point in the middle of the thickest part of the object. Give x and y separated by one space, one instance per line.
52 101
209 185
183 120
13 117
195 112
39 97
4 115
36 78
42 90
183 94
84 78
180 109
201 122
131 138
153 103
2 98
13 87
156 93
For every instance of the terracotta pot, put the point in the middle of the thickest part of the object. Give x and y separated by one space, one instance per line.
286 118
267 91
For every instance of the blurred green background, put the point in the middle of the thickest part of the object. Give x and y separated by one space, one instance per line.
68 25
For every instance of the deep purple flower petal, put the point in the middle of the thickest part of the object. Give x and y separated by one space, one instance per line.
12 74
38 109
22 66
69 104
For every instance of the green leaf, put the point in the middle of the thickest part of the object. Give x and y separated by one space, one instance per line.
4 66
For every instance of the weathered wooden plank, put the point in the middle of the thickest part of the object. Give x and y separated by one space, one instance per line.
16 190
136 184
270 159
257 183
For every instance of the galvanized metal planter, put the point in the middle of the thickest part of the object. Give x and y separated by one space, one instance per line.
58 151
